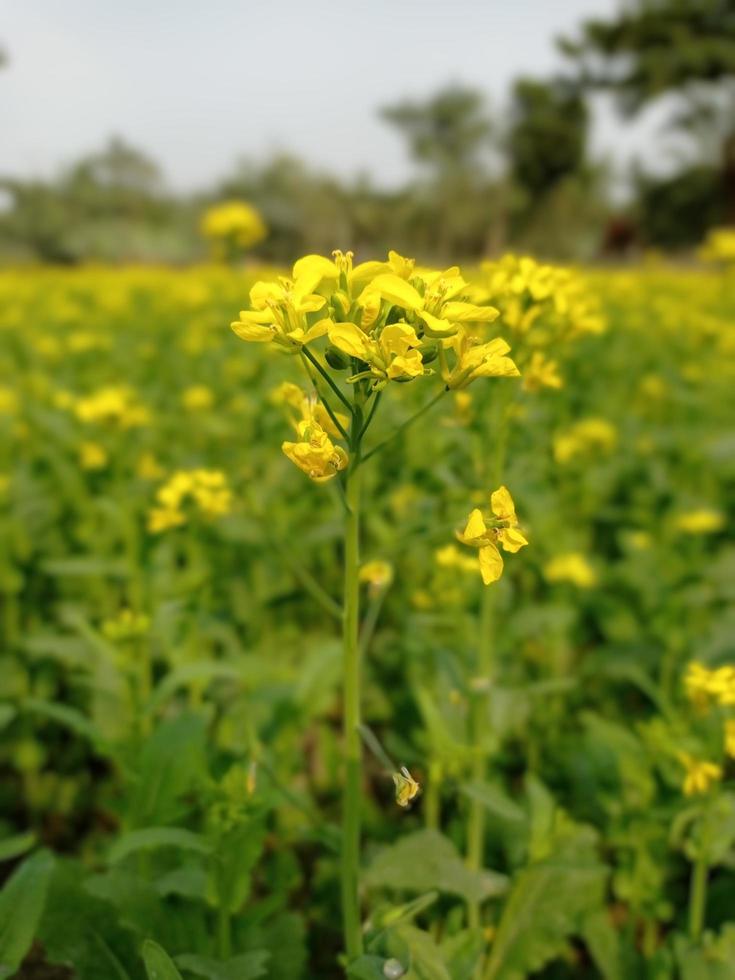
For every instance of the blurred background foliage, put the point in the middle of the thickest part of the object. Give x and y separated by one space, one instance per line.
484 181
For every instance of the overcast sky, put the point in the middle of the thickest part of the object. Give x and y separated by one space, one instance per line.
199 84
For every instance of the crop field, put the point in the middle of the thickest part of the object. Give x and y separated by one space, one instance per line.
390 633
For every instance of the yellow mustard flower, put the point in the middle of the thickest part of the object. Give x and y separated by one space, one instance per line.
8 401
235 222
205 490
407 789
451 557
127 625
571 567
701 521
315 454
377 574
112 405
197 398
280 312
476 360
730 737
541 372
700 775
148 467
92 456
391 356
483 533
307 407
586 437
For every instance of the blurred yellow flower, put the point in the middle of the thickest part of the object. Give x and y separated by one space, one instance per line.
8 401
206 490
92 456
451 557
377 574
541 372
115 405
701 521
197 398
588 436
477 360
233 222
571 567
730 737
700 775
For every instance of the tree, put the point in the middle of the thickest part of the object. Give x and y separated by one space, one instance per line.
449 134
655 48
548 134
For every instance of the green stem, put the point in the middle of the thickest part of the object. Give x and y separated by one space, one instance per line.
350 857
700 874
325 402
343 398
404 425
223 932
479 727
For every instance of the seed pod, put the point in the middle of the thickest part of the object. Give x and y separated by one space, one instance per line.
336 359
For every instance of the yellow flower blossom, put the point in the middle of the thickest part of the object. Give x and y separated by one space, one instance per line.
483 533
701 521
197 398
234 222
477 360
281 310
377 574
586 437
705 686
571 567
730 737
8 401
391 356
206 491
407 789
92 456
308 407
541 372
315 454
112 405
451 557
700 775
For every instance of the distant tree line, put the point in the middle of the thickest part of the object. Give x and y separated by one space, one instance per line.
481 183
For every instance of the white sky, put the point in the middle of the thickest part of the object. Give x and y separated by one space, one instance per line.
199 84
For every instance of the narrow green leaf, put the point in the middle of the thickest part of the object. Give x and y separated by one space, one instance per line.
158 964
21 905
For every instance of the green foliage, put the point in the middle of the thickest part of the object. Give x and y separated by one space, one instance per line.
21 905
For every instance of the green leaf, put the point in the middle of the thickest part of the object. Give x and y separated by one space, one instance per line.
151 838
82 930
246 966
68 717
13 847
366 968
237 854
158 964
426 860
545 906
171 764
495 802
22 902
192 673
7 713
603 943
423 954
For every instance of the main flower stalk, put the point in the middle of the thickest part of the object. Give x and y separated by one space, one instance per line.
352 787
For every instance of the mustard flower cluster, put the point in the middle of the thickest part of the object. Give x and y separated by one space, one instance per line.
233 224
709 689
719 246
200 491
378 323
114 405
544 307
